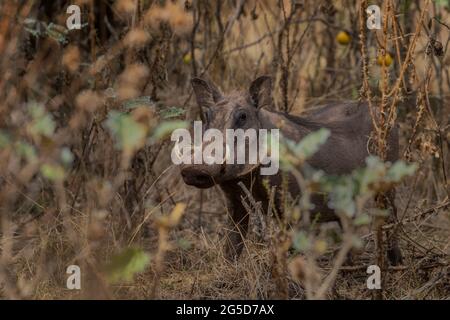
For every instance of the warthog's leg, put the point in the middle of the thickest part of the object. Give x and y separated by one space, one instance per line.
236 234
393 250
238 220
252 190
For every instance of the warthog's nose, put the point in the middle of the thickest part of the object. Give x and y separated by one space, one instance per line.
197 178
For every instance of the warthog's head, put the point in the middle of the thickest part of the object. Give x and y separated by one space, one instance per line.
237 110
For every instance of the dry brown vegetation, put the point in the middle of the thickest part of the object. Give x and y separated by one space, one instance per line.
85 165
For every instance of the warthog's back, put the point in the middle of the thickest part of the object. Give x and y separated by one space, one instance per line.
356 113
350 141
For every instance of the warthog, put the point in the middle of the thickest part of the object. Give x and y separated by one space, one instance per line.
346 149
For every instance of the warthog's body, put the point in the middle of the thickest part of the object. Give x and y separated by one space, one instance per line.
345 150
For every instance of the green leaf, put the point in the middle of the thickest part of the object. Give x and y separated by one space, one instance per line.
292 153
34 32
57 32
137 102
373 172
30 21
442 3
184 244
125 265
341 196
357 242
171 112
129 134
33 26
167 127
42 123
361 220
53 172
375 212
312 142
4 140
399 170
301 242
25 150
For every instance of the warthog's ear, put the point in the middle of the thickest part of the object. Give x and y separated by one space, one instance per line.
261 91
206 93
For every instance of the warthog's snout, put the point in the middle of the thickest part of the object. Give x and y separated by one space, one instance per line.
195 177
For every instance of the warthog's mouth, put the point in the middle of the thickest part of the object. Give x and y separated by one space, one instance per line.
197 178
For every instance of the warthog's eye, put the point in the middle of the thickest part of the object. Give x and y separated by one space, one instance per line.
240 118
